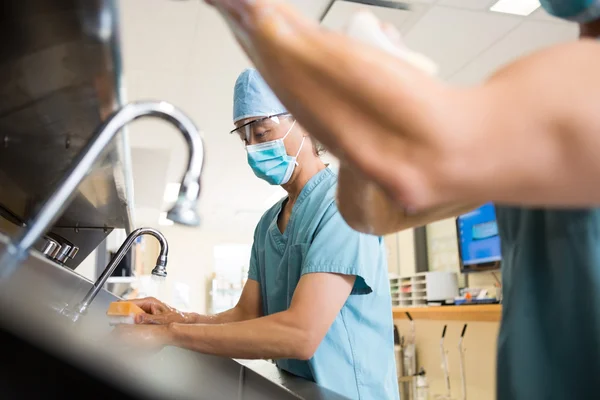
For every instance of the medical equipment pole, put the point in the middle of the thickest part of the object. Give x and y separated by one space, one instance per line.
463 376
411 351
445 363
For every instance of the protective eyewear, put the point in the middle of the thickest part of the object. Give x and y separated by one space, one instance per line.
261 130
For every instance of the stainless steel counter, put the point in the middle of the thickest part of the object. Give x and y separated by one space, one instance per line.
28 307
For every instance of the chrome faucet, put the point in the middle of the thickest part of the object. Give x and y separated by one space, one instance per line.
183 212
159 270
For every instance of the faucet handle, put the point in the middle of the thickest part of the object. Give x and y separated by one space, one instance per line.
67 249
73 252
51 248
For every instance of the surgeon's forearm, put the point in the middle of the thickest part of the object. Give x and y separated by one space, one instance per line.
274 336
249 306
231 315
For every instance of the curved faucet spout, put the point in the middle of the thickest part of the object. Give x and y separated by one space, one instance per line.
161 264
184 211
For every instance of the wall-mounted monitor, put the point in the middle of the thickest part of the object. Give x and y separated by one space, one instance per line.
478 240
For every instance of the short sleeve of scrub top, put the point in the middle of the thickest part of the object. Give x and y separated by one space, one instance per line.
253 268
338 249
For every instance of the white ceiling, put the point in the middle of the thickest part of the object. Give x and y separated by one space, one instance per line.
182 52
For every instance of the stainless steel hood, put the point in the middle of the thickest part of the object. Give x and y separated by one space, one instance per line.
60 75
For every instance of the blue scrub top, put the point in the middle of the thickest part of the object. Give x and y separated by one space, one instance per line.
356 357
549 341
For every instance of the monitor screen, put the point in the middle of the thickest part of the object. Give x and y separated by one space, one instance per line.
478 236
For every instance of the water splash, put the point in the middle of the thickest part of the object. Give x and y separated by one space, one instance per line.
159 287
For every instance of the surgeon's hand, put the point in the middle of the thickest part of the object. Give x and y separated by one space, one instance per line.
157 312
145 338
152 305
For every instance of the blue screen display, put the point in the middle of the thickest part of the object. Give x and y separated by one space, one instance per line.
478 236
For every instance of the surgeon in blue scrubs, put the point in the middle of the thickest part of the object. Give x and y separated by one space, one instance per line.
317 299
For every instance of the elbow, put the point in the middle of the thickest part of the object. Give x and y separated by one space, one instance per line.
365 207
302 341
300 336
305 348
364 225
306 355
355 220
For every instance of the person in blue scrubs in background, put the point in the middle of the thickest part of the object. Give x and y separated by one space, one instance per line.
318 298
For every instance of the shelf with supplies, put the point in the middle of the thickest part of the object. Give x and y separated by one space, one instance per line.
423 288
472 312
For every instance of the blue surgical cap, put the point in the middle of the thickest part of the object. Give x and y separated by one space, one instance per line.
252 97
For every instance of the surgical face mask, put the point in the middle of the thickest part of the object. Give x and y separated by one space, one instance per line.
270 160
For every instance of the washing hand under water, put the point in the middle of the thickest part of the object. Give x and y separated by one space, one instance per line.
158 313
150 332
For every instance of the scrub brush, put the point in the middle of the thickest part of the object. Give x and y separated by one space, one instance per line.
122 312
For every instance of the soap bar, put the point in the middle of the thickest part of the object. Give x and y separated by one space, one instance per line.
123 312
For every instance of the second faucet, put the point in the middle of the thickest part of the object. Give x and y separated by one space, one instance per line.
159 270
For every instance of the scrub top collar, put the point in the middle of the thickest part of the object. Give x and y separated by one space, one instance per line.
281 238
